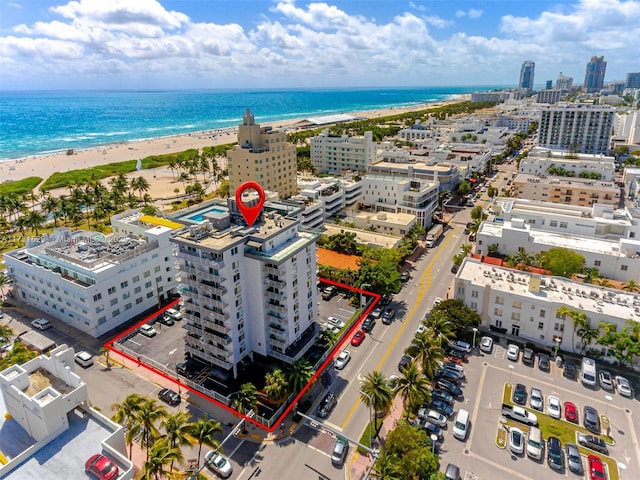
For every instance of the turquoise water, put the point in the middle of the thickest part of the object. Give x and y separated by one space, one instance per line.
38 123
199 215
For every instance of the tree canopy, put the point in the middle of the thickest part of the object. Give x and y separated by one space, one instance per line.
410 449
459 315
562 262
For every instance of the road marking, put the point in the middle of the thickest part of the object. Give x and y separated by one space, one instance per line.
477 405
173 351
134 342
426 279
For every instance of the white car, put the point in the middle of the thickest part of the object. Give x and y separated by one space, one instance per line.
218 464
486 344
432 416
336 322
343 359
173 313
553 407
513 352
516 441
437 301
623 386
147 330
421 328
41 323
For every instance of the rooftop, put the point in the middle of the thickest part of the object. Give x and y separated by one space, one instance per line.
572 182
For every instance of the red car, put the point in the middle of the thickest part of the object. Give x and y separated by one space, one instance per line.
596 468
101 467
570 412
357 338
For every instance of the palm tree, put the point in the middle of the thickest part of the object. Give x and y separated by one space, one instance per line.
379 395
413 388
176 427
105 351
246 399
327 337
589 335
161 454
276 386
148 413
126 414
51 206
387 468
440 328
631 286
301 371
140 184
203 431
5 331
426 353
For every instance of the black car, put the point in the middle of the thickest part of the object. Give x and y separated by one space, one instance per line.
454 268
520 394
327 404
441 406
376 313
591 419
450 387
570 371
368 324
388 316
404 276
165 319
169 396
442 395
404 361
528 357
449 375
543 362
555 454
594 443
385 300
185 370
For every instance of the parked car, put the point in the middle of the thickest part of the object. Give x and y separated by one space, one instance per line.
450 387
404 277
574 460
147 330
442 395
175 314
555 455
543 362
41 323
101 467
336 322
606 381
535 400
570 371
449 375
623 386
430 428
596 468
486 344
169 396
520 394
591 419
593 442
454 268
553 407
327 404
388 315
404 361
528 357
165 319
461 425
437 301
433 416
185 370
570 412
342 359
454 369
218 463
457 356
368 323
358 338
376 313
452 472
84 359
339 453
513 352
516 441
441 406
385 300
460 345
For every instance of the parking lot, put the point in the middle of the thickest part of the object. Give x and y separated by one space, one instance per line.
480 457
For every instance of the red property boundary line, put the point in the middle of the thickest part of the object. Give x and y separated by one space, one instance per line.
109 346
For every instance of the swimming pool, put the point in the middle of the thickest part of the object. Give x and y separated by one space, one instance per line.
199 215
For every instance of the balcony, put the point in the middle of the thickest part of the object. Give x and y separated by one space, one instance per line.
274 315
276 341
272 282
276 272
281 309
218 339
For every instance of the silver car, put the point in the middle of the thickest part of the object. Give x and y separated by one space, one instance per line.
340 449
574 460
535 400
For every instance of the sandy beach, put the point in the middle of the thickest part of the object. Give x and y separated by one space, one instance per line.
162 180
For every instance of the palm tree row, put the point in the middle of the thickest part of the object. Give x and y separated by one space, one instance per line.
185 169
162 434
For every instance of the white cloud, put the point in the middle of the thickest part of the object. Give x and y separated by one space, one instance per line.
14 5
471 13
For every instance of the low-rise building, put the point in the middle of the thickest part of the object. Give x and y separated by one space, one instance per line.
569 191
385 222
542 161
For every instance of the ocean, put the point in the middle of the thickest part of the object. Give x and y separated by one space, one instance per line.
39 123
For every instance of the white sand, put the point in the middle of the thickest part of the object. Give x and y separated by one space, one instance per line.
161 179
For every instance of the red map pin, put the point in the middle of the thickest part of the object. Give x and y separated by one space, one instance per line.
250 214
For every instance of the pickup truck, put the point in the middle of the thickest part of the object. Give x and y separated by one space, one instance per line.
519 414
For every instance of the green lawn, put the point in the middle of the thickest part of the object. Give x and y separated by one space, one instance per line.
20 187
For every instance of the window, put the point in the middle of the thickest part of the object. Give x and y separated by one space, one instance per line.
515 330
97 296
540 325
474 306
563 224
498 323
497 312
111 290
515 316
500 300
474 293
542 313
147 274
113 301
234 251
553 223
137 289
517 304
150 294
115 313
147 285
124 284
136 278
624 267
559 327
597 263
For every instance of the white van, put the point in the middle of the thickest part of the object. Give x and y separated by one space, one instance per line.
588 374
461 425
534 444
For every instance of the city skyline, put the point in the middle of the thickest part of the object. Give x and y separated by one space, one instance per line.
189 44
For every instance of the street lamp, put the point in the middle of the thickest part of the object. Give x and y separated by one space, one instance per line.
434 439
362 294
608 398
510 372
475 330
370 414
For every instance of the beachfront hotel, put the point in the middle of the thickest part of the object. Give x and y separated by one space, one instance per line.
337 154
249 292
262 155
94 282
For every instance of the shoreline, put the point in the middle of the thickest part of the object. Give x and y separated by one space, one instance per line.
45 165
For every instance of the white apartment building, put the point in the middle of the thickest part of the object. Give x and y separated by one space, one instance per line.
247 291
576 127
550 96
333 154
419 132
615 259
334 194
526 304
540 160
515 123
467 158
94 282
565 190
262 155
495 96
394 195
626 129
397 224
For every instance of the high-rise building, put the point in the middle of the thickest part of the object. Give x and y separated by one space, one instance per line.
594 76
633 80
526 76
549 84
564 83
264 156
334 154
577 128
246 291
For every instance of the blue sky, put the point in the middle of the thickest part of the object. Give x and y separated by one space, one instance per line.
155 44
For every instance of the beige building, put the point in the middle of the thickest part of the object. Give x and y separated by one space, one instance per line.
385 222
569 191
264 156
